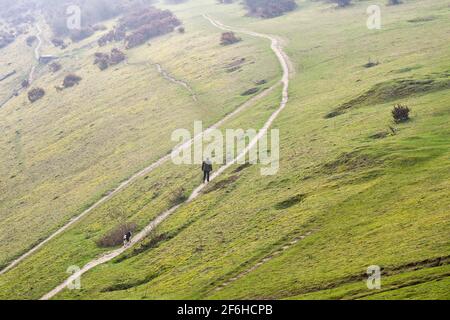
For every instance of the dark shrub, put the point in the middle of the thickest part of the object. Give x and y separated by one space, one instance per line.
102 64
400 113
135 39
104 60
103 40
269 8
118 34
117 56
30 40
71 80
229 38
55 67
342 3
115 237
25 84
59 43
250 92
178 197
99 27
371 64
35 94
147 24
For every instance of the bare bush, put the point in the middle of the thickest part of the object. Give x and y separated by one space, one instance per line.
115 237
178 197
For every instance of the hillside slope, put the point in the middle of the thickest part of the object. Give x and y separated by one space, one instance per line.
354 189
64 152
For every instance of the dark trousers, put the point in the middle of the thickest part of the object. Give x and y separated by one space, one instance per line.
206 176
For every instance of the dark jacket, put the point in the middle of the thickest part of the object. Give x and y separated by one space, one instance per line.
207 167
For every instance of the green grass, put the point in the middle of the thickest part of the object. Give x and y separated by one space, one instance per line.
361 201
62 153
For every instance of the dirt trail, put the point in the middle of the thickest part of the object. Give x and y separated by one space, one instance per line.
142 173
284 61
33 68
182 83
37 54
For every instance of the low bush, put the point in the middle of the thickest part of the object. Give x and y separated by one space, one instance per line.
229 38
25 84
115 237
55 67
116 57
394 2
342 3
59 43
147 24
269 8
400 113
178 197
71 80
30 40
35 94
104 60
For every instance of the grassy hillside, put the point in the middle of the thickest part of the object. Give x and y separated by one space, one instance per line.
63 152
351 192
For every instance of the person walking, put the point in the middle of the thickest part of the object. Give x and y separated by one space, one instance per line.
207 169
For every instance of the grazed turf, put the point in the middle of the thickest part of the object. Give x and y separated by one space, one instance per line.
366 201
62 153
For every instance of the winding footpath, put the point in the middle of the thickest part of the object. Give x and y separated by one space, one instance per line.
284 61
31 74
182 83
147 170
37 54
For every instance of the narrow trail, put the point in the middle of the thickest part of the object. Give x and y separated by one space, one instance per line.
141 173
33 68
284 62
262 261
182 83
7 100
37 54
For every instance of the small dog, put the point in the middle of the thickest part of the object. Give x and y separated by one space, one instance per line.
127 238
